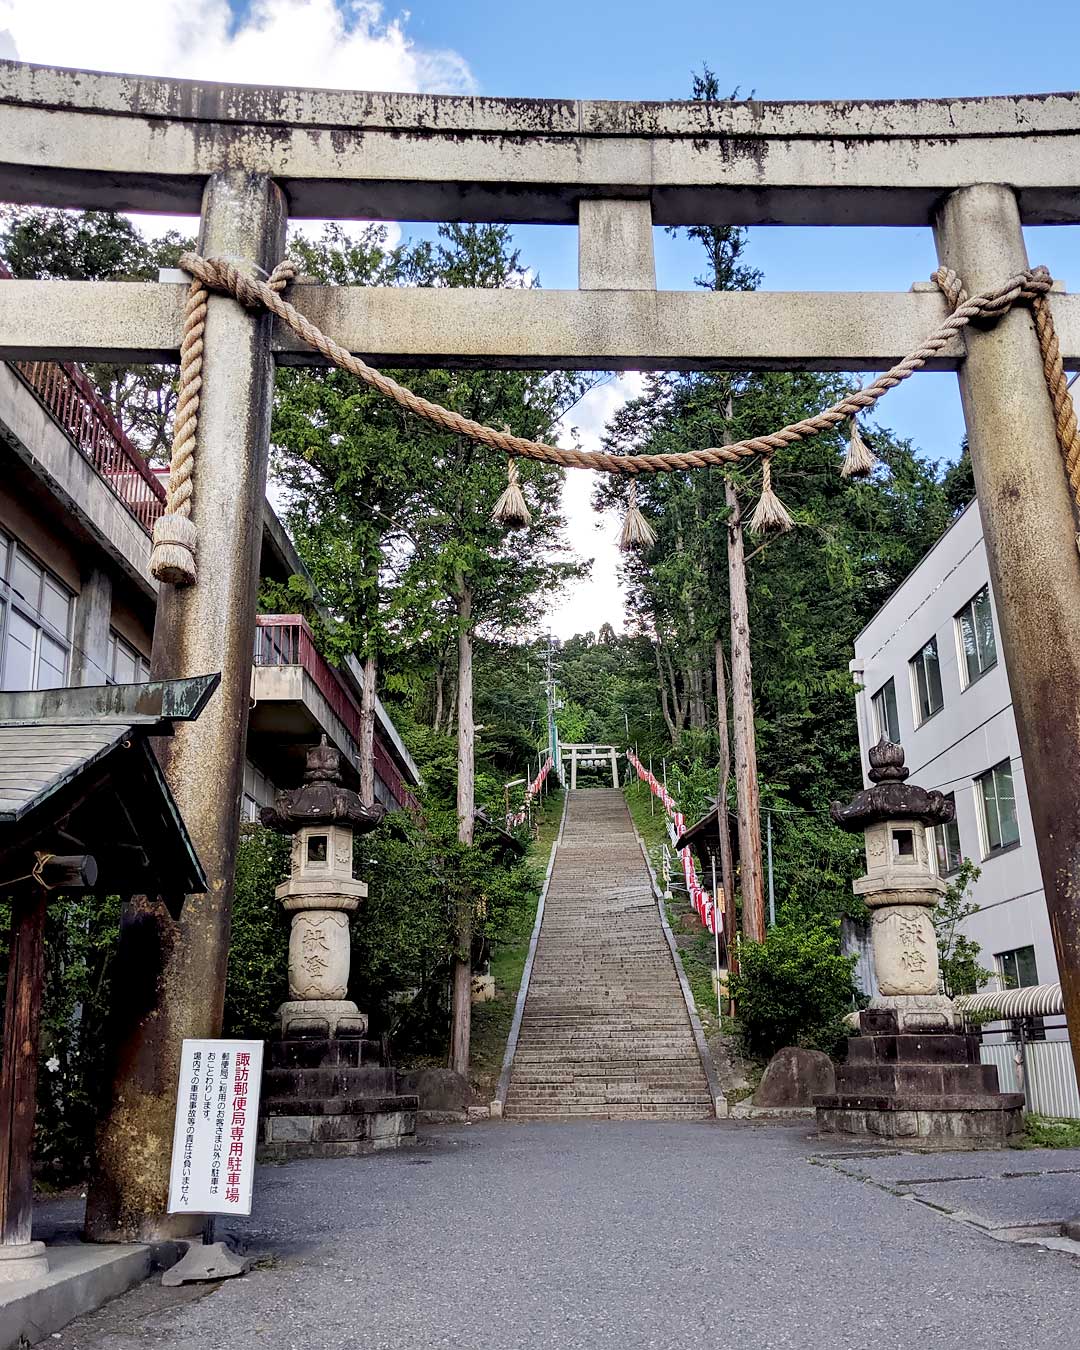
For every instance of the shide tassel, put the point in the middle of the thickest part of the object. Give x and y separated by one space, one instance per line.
770 512
636 531
511 509
860 460
173 557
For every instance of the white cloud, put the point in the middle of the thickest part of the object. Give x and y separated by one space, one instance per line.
333 44
600 599
350 44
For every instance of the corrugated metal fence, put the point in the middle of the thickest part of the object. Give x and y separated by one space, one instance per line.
1042 1070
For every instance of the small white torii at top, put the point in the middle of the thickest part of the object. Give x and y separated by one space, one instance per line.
589 754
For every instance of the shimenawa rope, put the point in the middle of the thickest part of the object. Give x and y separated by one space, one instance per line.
212 274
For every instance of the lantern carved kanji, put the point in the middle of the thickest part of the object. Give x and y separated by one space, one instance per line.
322 816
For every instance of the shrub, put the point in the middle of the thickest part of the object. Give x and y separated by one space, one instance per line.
793 989
258 979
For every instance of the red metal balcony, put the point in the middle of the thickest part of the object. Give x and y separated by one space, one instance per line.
287 640
67 395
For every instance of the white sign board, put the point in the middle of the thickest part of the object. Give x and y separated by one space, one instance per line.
217 1119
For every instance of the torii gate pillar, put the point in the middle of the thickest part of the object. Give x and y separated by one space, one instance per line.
1030 528
201 628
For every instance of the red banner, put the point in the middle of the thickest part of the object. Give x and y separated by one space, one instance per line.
700 898
519 817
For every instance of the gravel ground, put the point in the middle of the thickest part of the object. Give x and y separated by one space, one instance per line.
617 1236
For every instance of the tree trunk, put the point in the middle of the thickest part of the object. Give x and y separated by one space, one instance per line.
461 1011
679 705
665 704
440 695
727 865
367 730
742 704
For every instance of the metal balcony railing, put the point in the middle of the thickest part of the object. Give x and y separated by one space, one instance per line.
287 640
67 395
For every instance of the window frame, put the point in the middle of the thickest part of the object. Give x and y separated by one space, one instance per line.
880 730
31 612
990 849
937 843
967 679
915 664
1014 952
117 642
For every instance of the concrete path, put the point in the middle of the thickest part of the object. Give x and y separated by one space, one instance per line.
605 1032
623 1236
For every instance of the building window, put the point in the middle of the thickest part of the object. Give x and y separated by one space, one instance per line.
886 722
258 792
997 802
946 844
126 665
926 681
1017 968
975 634
35 622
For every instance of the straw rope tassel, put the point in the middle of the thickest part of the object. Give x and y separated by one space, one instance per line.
860 461
636 531
770 512
175 535
512 510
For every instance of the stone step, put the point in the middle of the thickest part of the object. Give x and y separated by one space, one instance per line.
605 1032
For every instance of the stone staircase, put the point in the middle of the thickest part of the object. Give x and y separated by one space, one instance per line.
605 1031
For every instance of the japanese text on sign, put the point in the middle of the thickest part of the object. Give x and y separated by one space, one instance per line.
217 1113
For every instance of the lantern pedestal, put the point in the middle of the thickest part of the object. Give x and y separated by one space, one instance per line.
912 1074
329 1090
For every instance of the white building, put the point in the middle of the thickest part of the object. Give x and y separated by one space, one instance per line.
932 677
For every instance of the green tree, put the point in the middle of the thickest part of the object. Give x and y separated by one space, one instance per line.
793 989
958 954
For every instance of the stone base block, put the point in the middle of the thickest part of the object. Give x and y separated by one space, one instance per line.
24 1261
933 1125
910 1014
321 1019
364 1126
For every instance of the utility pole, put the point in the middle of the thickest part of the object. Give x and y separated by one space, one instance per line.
772 895
742 703
727 864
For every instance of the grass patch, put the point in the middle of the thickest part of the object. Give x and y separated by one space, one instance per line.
1049 1132
491 1021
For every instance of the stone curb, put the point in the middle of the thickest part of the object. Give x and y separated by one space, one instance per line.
81 1278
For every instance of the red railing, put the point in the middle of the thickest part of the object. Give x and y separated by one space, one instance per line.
64 391
287 640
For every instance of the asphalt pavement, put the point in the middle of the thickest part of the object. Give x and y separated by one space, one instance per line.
622 1236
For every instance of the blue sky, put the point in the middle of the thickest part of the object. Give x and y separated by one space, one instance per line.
779 49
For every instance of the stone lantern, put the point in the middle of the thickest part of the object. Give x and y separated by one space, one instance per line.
912 1072
900 890
322 816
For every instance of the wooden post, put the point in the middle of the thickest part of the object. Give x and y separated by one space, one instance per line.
18 1083
461 1011
727 864
742 703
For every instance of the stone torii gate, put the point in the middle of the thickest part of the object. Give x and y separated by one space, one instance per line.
975 170
588 754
